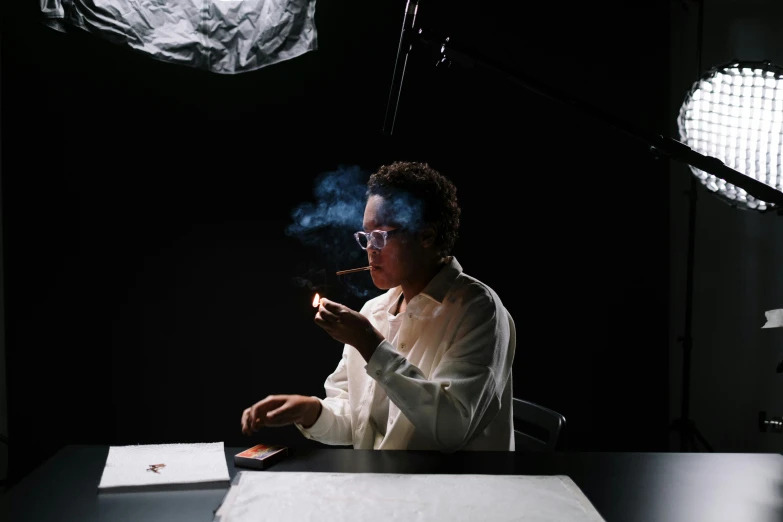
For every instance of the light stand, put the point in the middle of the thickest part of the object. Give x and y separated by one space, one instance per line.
689 434
684 425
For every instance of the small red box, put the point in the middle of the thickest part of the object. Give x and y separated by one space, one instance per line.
260 456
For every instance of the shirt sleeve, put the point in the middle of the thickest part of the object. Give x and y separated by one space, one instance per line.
451 407
333 425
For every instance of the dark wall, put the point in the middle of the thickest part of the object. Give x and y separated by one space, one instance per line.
150 283
737 257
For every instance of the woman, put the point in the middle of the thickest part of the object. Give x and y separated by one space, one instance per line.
426 365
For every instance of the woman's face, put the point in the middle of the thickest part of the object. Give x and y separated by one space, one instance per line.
393 264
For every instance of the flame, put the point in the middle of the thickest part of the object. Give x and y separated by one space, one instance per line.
316 300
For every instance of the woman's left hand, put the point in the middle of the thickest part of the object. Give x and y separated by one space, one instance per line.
348 326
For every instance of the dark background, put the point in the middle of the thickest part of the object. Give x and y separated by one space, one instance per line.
150 285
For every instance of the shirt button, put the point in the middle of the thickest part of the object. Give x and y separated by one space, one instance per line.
391 421
402 346
378 372
410 315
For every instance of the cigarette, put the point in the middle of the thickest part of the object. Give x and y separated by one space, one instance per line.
341 272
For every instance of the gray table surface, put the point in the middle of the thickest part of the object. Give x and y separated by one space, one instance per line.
624 487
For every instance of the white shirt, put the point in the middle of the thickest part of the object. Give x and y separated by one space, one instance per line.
379 410
447 374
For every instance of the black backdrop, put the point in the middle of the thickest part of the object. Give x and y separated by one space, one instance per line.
150 285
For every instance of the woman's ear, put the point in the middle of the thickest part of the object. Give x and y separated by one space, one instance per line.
428 234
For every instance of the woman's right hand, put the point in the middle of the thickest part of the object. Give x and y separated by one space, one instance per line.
280 410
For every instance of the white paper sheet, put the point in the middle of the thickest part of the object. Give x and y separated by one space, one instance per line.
358 497
774 319
188 466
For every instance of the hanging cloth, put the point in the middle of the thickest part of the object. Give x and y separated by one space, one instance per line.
221 36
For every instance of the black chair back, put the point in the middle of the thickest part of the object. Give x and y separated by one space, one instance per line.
535 427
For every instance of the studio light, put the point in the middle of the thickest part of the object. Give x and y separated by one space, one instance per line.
734 113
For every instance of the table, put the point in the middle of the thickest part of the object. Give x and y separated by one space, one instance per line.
624 487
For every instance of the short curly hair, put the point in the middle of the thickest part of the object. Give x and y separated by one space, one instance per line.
432 191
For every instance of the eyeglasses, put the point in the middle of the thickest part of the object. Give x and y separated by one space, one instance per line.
376 238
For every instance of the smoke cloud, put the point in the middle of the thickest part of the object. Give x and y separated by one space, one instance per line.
339 205
328 224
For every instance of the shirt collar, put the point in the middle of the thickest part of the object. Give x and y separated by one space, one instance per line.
393 304
437 288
